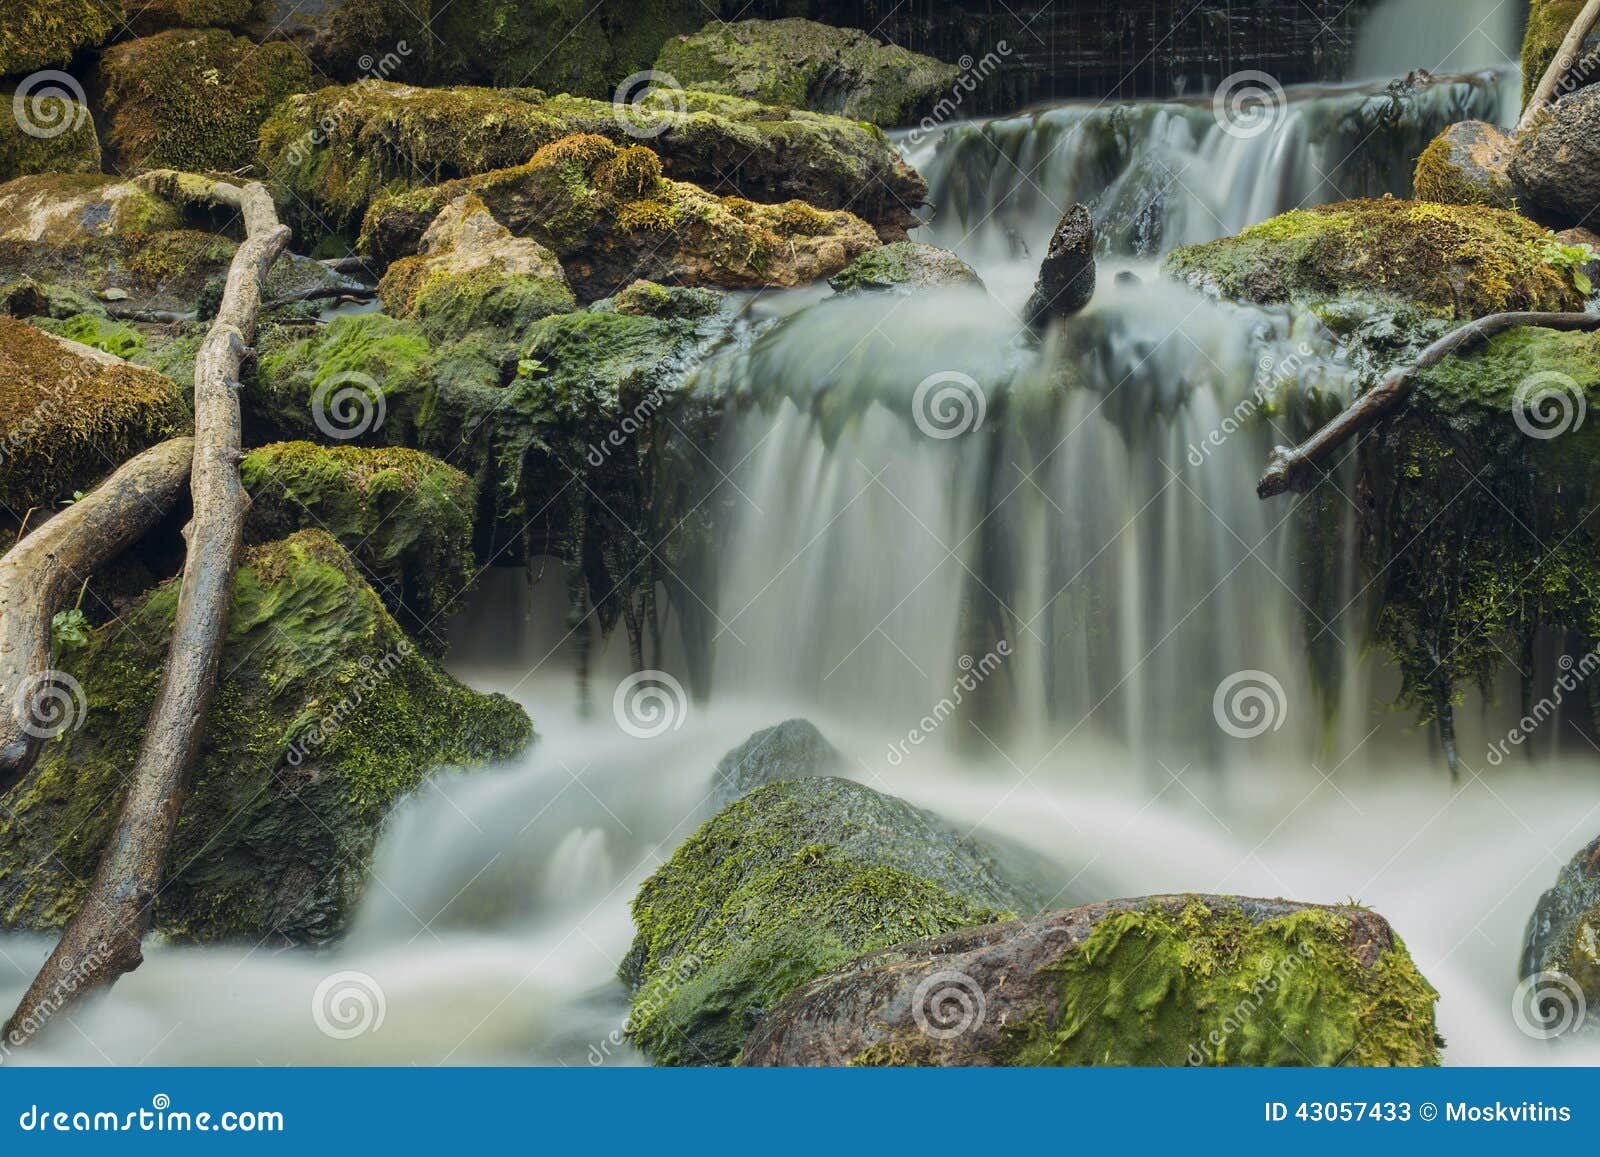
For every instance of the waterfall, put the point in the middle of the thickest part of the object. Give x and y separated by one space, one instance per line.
1438 35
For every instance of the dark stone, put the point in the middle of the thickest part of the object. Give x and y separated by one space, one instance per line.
1557 162
1563 933
793 749
1066 276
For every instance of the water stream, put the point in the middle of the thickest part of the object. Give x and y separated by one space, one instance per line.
1095 518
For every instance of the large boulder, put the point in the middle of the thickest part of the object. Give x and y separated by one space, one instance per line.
333 151
193 99
70 415
801 64
611 217
39 34
785 883
1549 21
1451 261
1162 980
1557 159
1467 164
325 716
905 267
794 749
1561 948
1066 275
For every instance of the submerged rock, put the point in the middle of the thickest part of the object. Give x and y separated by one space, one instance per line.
1163 980
904 267
1563 937
1467 164
794 749
1557 159
785 883
801 64
69 415
325 716
1066 275
1449 260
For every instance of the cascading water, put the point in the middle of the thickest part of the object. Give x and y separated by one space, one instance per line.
1063 536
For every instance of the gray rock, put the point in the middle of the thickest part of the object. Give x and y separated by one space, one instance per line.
1563 934
1557 160
1066 276
904 267
793 749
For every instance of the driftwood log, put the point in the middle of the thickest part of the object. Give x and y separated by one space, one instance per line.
1298 467
39 573
102 941
1565 58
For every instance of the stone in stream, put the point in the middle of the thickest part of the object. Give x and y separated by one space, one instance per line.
1467 164
1161 980
904 267
783 884
1557 159
1561 948
1066 276
794 749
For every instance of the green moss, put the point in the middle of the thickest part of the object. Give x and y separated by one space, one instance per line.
114 337
1451 260
45 33
904 265
75 149
1466 165
150 15
404 516
1548 24
1159 987
194 100
785 883
324 718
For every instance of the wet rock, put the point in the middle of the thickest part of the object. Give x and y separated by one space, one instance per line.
1467 164
793 749
324 717
1563 934
905 267
1161 980
802 64
1066 276
785 883
1557 159
649 299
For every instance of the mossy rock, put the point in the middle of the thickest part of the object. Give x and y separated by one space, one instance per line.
1484 537
405 517
193 99
1549 21
334 151
1563 937
1159 980
785 883
649 299
64 140
39 34
1467 164
802 64
147 16
905 267
1448 260
70 415
325 716
1556 163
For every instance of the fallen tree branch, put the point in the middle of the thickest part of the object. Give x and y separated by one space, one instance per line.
102 941
1566 56
1292 468
38 574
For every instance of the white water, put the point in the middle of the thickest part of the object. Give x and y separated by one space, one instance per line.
1130 578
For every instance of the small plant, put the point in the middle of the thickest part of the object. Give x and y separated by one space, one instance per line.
1572 259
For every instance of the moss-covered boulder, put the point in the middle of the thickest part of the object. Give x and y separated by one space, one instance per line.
611 217
1467 164
147 16
193 99
1561 947
1455 261
325 716
1549 21
405 517
791 880
1162 980
333 151
471 273
70 415
801 64
1556 164
794 749
63 139
45 33
904 267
